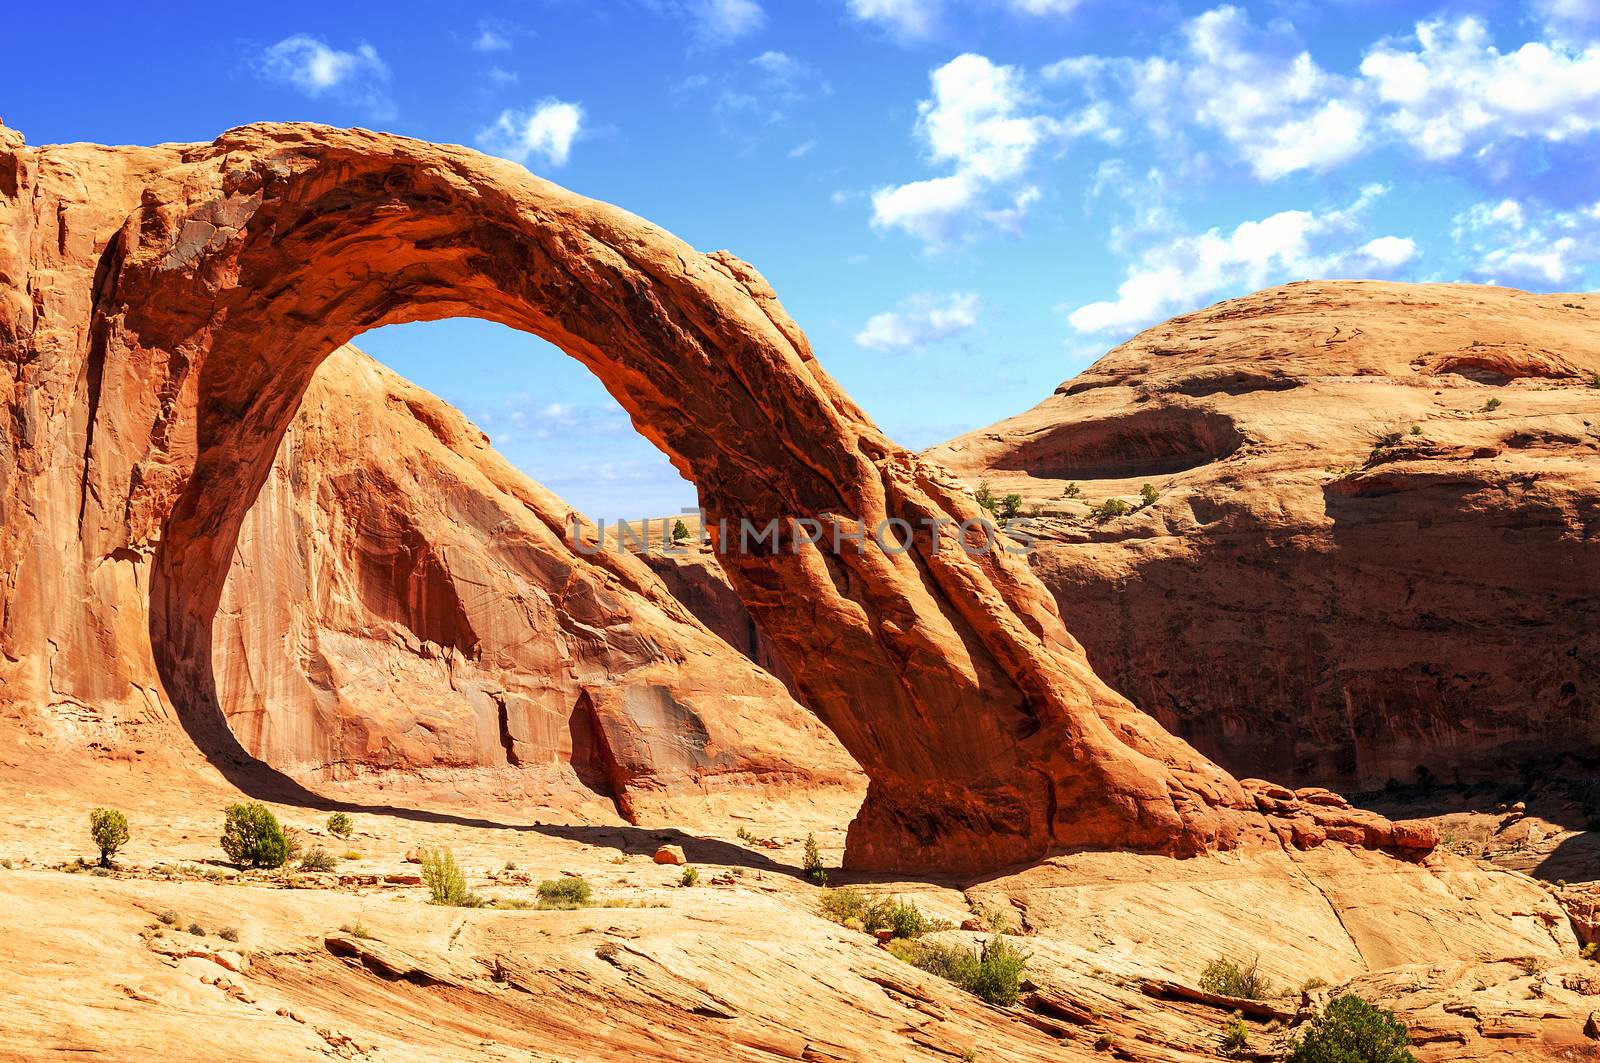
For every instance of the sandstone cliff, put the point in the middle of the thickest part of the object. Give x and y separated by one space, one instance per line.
401 599
1377 543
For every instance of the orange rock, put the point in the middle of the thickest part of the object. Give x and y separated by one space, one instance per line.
1353 568
671 854
163 328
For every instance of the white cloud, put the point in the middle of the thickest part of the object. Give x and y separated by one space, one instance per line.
905 19
1045 7
547 132
493 36
1570 19
1518 244
1181 273
1454 91
923 320
358 77
1266 97
801 150
981 122
717 22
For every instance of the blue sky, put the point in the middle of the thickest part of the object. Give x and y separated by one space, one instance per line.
963 202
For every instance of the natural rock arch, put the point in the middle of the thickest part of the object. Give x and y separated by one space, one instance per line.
951 678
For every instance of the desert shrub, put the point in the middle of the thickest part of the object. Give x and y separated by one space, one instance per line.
252 837
813 862
1227 978
689 877
1235 1035
993 973
1350 1030
985 497
317 859
355 930
229 933
197 930
341 825
744 835
1072 490
680 531
905 919
352 854
446 882
1110 509
842 904
1594 380
169 917
1148 495
1008 507
1491 406
564 893
109 828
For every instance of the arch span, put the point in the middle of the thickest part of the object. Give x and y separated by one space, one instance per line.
951 678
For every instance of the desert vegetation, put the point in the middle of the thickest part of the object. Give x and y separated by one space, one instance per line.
109 828
1351 1030
1229 978
994 972
252 836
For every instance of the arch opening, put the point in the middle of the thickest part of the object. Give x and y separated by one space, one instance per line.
948 676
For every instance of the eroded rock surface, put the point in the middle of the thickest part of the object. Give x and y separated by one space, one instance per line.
163 310
402 600
1377 542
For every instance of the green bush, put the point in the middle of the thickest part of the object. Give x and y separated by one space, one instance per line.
1110 509
446 882
1072 490
689 877
1147 495
1009 507
341 825
744 835
985 497
994 973
1226 978
317 859
680 531
564 893
1491 406
109 828
1235 1036
849 905
252 837
1350 1030
813 862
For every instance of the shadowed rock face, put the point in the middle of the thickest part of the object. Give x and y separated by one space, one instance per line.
401 601
161 314
1381 572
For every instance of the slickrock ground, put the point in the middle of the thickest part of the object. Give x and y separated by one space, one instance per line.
1480 962
404 607
1376 546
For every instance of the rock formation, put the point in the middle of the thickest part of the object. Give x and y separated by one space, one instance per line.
402 600
1376 549
162 311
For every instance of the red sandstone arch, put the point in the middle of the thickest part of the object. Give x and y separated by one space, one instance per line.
951 678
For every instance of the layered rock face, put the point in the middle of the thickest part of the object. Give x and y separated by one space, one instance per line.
162 312
402 599
1377 543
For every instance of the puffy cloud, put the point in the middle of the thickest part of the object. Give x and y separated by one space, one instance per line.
1515 243
980 122
1454 91
717 22
906 19
1570 19
1181 273
1271 101
547 131
923 320
494 35
358 77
